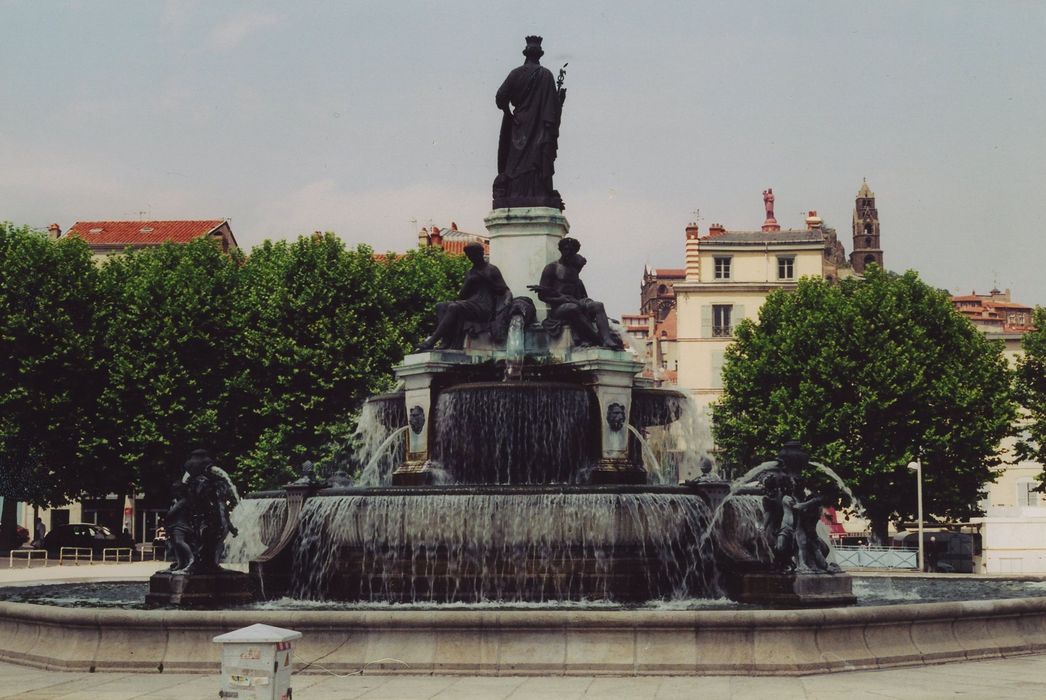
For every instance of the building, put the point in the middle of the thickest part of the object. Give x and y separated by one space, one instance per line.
105 238
451 239
1013 528
995 313
727 276
657 308
866 248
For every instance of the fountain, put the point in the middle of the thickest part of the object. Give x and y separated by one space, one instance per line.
519 469
511 517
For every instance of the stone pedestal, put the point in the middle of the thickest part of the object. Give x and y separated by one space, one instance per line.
418 373
219 589
522 242
796 590
611 374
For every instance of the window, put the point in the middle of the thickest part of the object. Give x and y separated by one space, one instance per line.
786 267
721 314
722 268
1026 494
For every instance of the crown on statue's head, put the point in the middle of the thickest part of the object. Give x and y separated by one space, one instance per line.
533 46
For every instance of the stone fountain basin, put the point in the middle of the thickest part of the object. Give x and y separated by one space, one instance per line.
537 641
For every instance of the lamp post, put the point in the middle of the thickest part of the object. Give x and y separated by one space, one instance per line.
917 467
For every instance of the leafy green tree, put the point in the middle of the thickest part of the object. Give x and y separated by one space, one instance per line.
48 377
1031 391
316 339
416 282
871 374
166 320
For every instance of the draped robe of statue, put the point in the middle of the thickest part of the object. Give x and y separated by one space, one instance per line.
529 138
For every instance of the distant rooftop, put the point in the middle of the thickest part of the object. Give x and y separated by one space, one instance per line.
761 237
141 233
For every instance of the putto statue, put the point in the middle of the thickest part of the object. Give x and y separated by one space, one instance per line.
198 519
569 306
529 133
791 513
484 300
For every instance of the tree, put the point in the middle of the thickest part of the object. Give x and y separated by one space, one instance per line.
416 281
316 339
166 321
1031 391
871 374
48 377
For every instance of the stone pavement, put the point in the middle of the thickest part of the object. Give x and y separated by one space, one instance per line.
1021 677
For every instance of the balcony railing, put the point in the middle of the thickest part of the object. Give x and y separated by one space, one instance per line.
722 331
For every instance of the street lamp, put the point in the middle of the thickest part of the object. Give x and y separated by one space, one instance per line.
917 467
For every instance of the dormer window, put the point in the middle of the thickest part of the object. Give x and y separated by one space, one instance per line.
722 267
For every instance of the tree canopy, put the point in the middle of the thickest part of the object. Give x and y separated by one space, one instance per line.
871 374
48 377
1031 391
111 374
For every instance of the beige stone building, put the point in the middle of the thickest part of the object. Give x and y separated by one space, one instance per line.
729 274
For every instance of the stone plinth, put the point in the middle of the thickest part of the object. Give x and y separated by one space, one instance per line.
219 589
796 590
522 242
612 373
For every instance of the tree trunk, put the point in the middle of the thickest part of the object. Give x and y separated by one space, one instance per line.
8 521
880 527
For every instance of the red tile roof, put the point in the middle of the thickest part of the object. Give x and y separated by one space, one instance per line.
113 233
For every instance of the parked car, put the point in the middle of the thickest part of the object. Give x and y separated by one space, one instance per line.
20 538
86 535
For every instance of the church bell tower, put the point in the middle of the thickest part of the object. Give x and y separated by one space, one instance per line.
866 248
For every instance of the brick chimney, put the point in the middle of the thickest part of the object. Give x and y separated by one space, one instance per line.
436 238
453 225
54 231
716 230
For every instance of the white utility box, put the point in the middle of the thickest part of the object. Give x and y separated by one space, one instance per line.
256 663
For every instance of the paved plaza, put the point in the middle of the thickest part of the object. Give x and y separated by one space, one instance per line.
1020 677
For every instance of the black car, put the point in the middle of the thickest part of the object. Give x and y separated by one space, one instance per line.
85 535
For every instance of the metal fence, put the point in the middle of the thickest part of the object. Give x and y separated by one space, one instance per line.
876 557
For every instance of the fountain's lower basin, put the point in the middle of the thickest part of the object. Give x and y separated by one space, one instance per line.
451 640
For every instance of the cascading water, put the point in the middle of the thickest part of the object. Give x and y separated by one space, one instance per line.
504 546
677 432
377 456
653 467
259 522
515 348
515 433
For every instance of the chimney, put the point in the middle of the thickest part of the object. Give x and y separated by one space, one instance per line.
54 231
692 254
453 225
436 238
716 230
813 221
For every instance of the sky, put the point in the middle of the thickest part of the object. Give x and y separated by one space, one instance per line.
373 119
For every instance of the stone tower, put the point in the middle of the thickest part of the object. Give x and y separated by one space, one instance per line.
866 248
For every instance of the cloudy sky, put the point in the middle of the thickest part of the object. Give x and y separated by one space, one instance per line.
364 118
